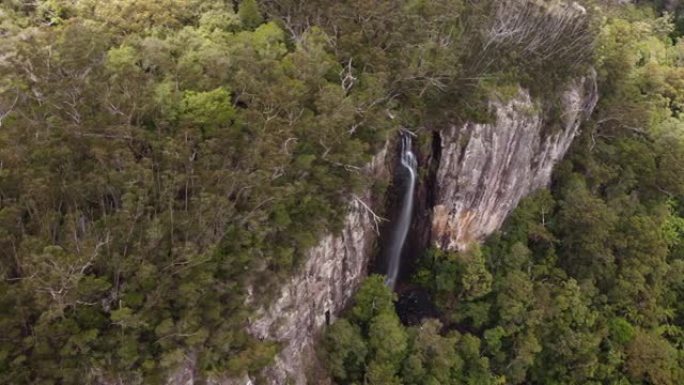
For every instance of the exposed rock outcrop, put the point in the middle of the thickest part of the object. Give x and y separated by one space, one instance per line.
485 169
320 290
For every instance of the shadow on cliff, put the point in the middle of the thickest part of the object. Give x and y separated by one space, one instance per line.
414 303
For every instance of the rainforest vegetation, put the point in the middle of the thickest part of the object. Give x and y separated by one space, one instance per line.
585 282
160 157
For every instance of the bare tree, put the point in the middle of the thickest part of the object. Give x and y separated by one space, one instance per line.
6 111
533 32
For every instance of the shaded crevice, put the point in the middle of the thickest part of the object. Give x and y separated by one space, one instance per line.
436 145
420 234
414 303
391 208
418 239
463 143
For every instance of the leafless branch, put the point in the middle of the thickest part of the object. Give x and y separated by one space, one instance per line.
10 109
375 217
347 78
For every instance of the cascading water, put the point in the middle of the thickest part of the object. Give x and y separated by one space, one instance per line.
398 237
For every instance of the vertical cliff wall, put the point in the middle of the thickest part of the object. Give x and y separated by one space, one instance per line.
485 169
482 172
321 289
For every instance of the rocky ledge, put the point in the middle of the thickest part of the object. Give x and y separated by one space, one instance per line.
485 169
320 290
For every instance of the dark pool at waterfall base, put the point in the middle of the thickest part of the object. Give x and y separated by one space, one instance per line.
414 304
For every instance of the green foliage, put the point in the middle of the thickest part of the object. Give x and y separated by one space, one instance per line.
158 158
372 299
651 359
383 351
583 285
621 330
387 339
250 15
347 351
209 110
446 273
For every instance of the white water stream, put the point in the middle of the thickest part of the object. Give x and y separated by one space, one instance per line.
409 165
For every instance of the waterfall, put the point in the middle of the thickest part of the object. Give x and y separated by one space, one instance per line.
398 237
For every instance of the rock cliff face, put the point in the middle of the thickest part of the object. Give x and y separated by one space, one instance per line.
322 288
483 172
485 169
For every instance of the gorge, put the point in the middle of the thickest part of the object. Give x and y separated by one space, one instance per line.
484 170
292 192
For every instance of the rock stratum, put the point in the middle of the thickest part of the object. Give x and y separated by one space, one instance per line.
321 289
484 171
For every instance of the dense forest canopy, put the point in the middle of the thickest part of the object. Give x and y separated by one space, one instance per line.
157 158
584 284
